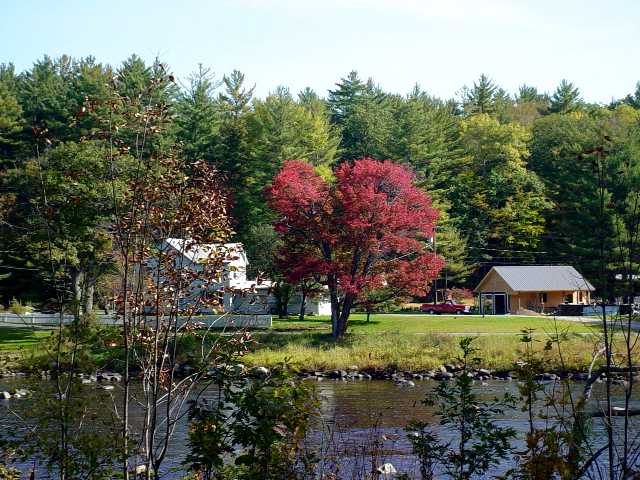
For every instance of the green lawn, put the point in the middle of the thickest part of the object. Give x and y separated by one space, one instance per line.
415 323
415 342
12 338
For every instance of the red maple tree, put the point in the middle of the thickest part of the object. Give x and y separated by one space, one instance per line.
369 228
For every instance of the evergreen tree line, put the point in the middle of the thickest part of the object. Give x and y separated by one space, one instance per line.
513 174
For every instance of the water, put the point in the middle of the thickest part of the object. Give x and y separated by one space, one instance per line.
361 423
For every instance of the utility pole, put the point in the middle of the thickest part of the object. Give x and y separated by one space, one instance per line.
435 280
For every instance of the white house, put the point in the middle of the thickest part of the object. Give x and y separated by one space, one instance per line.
258 299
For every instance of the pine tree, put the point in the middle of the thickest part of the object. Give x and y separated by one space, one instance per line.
481 98
565 99
558 147
527 93
231 154
11 123
46 97
281 129
361 111
633 99
198 116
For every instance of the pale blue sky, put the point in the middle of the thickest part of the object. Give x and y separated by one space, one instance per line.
442 45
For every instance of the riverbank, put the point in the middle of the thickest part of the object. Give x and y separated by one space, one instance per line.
387 343
410 352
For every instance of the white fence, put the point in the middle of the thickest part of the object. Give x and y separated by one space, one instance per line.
48 320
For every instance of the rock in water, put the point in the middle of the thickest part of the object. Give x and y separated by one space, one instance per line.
387 470
260 371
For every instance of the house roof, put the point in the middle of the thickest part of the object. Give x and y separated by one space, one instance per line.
540 278
197 253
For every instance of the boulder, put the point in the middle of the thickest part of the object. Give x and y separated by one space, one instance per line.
5 395
386 470
238 369
260 372
444 376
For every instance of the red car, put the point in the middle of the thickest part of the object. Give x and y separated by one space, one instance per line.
447 307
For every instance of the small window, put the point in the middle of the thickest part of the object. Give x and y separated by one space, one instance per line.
543 297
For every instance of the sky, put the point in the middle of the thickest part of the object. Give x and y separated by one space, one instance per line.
441 45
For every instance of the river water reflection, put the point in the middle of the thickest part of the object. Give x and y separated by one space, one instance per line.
361 423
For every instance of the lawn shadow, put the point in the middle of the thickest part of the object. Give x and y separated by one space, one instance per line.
11 337
324 340
353 321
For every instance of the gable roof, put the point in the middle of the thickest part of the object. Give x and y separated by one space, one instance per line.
540 278
200 252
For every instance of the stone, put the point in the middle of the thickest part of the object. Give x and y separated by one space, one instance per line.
107 387
5 395
260 371
238 369
386 470
450 368
406 383
86 381
444 376
353 367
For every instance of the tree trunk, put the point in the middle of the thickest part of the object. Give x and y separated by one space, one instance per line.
335 307
303 302
343 319
76 280
88 298
368 315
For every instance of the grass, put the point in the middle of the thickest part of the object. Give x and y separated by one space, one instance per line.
403 341
413 323
18 338
418 342
318 351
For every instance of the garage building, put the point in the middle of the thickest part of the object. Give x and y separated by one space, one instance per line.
529 289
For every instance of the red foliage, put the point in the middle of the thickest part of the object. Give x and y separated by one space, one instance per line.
366 230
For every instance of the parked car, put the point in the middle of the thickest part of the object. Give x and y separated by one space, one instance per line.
447 307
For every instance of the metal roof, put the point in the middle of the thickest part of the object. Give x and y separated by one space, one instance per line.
541 278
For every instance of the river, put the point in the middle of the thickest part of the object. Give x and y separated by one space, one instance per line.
361 423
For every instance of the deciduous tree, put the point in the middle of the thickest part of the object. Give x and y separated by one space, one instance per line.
367 229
